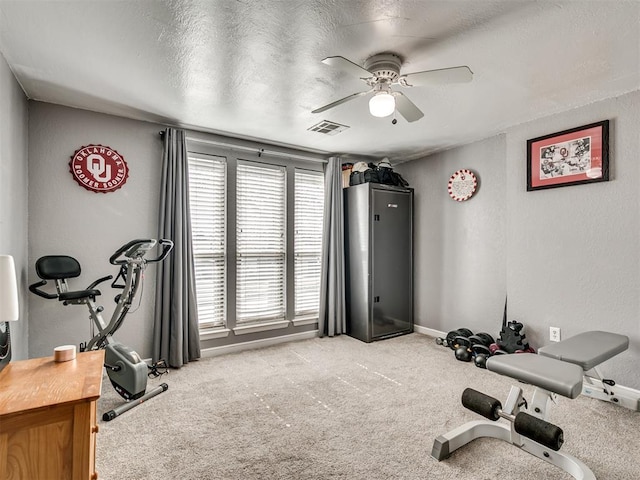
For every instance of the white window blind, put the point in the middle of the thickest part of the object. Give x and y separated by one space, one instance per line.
309 205
260 242
207 191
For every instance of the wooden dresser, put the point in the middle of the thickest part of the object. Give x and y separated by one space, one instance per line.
48 418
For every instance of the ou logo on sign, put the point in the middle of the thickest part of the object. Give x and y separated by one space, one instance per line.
99 168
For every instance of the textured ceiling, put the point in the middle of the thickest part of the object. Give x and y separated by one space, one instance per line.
252 69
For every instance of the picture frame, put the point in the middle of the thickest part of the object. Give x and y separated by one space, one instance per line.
572 157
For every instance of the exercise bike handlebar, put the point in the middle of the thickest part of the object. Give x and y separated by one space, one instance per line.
167 246
100 280
35 289
138 248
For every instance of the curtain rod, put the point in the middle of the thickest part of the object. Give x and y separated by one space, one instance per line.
240 145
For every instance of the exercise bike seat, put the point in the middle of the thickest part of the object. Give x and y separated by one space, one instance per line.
80 294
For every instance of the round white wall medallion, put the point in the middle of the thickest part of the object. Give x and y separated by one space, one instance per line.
462 185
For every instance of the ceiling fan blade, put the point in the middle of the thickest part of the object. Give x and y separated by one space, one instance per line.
407 108
436 77
347 66
341 101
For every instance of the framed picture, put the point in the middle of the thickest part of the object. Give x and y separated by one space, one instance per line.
571 157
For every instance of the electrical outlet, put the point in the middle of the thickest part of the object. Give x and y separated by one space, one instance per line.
554 334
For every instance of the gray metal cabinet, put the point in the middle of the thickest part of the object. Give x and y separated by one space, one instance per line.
379 261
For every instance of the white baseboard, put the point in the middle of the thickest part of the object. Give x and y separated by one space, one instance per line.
265 342
428 331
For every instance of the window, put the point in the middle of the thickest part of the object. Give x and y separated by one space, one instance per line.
257 238
207 194
261 242
309 205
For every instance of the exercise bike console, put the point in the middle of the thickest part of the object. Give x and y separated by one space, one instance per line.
138 249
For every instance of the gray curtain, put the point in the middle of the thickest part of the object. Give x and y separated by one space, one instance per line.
175 336
332 316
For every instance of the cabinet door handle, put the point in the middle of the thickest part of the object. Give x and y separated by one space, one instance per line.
95 429
376 299
94 476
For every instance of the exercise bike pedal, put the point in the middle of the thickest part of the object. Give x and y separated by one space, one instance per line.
113 368
158 369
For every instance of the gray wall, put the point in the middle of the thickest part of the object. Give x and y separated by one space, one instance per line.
459 246
567 257
13 194
577 268
67 219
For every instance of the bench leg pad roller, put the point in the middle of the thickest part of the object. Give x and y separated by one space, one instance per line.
545 433
481 403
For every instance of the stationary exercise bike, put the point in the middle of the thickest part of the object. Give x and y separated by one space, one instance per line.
127 372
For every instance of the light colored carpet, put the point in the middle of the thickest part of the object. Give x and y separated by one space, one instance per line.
338 408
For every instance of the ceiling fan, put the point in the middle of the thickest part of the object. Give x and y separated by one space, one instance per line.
381 72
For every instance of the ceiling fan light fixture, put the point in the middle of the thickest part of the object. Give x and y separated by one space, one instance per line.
382 104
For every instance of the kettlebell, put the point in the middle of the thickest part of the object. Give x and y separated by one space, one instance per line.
463 354
480 360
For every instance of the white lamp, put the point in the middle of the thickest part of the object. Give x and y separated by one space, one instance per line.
9 309
382 104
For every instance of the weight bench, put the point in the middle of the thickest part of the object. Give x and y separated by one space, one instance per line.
557 369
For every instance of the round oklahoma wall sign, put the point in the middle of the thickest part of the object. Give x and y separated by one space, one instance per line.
99 168
462 185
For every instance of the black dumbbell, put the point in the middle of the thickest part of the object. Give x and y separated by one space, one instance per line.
461 341
480 343
480 349
486 338
450 339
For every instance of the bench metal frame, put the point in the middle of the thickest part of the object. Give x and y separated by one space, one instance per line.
568 368
446 444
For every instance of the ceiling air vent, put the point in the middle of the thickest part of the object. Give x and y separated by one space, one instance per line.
328 128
